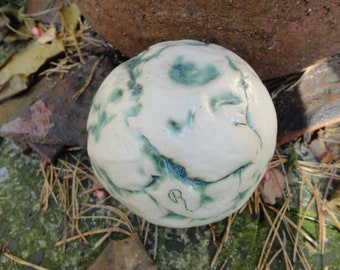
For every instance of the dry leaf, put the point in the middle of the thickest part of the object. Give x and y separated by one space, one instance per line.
272 186
17 82
124 254
328 158
25 63
70 15
48 36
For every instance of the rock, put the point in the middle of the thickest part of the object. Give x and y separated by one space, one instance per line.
275 38
311 103
48 118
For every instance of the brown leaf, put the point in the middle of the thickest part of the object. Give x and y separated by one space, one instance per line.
328 158
125 254
334 202
273 186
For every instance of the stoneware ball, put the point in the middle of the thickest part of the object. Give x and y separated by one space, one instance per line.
182 133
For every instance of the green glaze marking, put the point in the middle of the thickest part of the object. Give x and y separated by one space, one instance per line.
205 199
118 191
237 172
177 127
241 196
135 89
245 87
195 43
173 215
116 95
190 74
134 70
133 67
155 54
102 120
144 58
134 110
174 126
225 99
154 181
166 166
190 117
130 66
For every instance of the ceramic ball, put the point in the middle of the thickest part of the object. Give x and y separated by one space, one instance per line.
182 133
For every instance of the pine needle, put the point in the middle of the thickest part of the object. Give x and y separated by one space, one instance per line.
272 235
230 220
93 232
23 262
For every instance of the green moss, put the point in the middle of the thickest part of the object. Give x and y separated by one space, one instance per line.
182 248
29 234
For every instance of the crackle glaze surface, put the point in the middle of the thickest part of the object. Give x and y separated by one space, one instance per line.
182 133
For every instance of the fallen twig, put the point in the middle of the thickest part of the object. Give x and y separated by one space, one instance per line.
88 81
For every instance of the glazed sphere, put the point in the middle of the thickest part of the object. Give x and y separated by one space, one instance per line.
182 133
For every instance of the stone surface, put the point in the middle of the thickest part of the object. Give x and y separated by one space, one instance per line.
312 103
274 37
47 118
